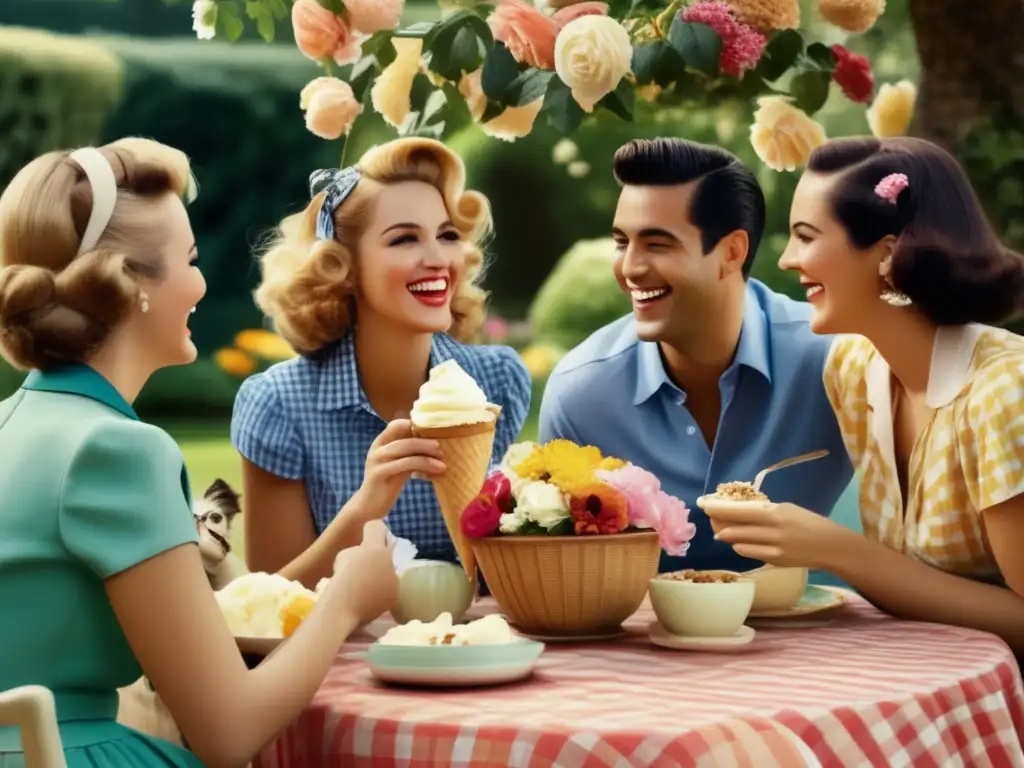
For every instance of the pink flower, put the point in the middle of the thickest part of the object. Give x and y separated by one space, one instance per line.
890 187
482 515
572 12
369 16
742 46
496 328
320 34
675 529
641 490
528 33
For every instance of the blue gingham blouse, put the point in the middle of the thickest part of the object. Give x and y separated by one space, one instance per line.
308 418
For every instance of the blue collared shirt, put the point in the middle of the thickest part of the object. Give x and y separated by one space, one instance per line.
308 418
612 392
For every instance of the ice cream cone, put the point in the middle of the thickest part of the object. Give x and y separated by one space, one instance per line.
467 455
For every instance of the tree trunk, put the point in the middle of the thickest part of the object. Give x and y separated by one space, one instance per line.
972 63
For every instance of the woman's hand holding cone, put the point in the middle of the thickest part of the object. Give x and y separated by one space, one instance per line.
393 458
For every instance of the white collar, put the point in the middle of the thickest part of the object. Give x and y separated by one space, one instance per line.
952 353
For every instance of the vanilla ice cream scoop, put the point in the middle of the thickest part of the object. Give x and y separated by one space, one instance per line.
252 603
450 397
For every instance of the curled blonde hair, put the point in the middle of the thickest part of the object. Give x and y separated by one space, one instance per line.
56 307
307 284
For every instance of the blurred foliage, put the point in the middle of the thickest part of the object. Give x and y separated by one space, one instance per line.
55 92
580 295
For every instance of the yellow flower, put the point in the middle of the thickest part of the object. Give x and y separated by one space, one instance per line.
565 464
391 93
234 361
893 109
264 344
611 463
782 135
514 123
540 359
854 16
767 15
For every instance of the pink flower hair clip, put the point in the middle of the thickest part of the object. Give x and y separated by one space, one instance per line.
890 187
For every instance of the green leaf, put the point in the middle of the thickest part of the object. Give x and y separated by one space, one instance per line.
563 113
528 87
483 10
379 46
457 44
229 23
656 61
810 90
821 57
260 12
433 109
446 29
334 6
500 70
492 110
456 111
621 101
278 8
780 54
698 44
361 76
564 528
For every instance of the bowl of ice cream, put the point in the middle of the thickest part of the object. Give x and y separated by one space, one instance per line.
701 603
777 589
734 495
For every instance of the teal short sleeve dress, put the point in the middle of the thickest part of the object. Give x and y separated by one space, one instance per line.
88 492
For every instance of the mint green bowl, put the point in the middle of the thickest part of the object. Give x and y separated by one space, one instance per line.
521 651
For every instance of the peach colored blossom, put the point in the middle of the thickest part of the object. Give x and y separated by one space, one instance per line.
369 16
320 34
392 90
514 122
587 8
331 107
472 91
528 33
783 135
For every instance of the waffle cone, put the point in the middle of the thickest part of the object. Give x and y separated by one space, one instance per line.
467 454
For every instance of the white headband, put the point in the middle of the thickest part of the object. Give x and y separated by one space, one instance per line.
104 194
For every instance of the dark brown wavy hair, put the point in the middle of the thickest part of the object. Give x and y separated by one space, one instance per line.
948 259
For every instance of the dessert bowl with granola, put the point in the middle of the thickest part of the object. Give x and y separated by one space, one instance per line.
701 603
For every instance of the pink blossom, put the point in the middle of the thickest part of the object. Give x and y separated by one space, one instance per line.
742 46
496 328
890 187
641 490
572 12
675 529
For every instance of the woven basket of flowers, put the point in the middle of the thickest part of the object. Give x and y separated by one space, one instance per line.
568 539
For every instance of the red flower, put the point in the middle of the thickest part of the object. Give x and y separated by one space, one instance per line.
481 516
853 74
598 508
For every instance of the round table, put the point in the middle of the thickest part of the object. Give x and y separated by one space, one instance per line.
855 688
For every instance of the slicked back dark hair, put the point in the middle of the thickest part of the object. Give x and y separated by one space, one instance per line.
948 259
727 197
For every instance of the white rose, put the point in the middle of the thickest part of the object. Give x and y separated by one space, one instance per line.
592 54
543 504
512 522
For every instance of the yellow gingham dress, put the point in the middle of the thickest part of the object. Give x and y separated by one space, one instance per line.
969 457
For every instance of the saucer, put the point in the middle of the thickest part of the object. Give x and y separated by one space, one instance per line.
815 600
738 641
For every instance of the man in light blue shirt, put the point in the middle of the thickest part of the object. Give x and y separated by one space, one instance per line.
713 376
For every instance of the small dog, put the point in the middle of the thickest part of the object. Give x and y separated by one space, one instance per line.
215 514
141 707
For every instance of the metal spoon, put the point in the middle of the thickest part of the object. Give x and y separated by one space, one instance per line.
787 463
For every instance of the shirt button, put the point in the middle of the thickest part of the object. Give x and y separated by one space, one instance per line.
691 430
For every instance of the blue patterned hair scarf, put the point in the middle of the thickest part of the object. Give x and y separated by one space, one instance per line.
339 185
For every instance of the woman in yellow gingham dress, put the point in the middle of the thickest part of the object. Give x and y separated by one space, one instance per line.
892 245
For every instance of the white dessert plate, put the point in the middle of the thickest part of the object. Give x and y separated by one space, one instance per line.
453 666
262 646
815 600
739 641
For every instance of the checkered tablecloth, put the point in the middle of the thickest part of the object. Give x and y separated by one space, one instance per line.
860 689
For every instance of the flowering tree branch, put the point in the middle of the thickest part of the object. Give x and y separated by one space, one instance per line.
508 65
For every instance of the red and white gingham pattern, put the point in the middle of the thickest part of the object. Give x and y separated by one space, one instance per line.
861 689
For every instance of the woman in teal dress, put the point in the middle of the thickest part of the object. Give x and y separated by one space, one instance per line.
100 576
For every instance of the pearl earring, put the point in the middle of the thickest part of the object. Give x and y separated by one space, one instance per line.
895 298
192 311
144 302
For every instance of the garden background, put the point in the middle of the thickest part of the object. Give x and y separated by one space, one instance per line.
78 72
